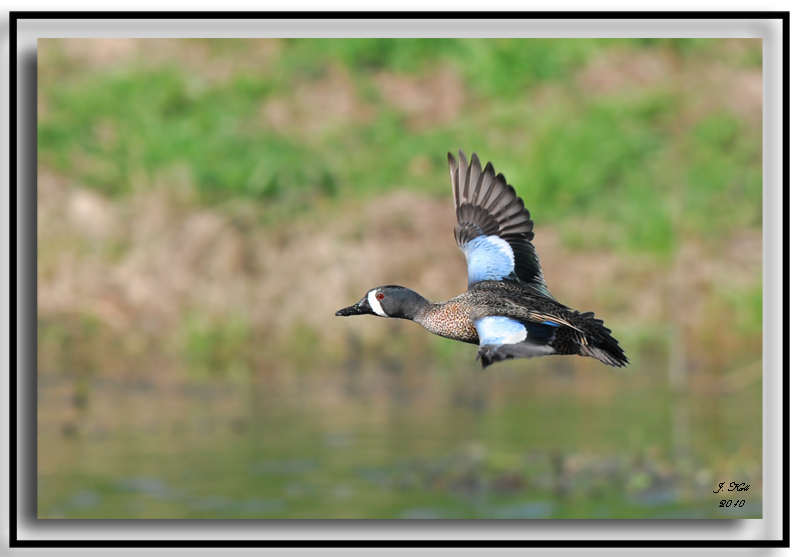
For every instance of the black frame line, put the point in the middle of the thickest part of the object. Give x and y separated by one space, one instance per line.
15 16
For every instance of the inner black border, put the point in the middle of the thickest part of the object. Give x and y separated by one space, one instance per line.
15 16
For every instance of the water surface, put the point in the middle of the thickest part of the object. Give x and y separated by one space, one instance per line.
520 441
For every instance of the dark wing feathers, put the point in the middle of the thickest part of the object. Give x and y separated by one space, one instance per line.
487 205
583 336
573 332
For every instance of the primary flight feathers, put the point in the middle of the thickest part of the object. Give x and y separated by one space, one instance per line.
486 206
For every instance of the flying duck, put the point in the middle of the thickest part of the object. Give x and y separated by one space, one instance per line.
507 309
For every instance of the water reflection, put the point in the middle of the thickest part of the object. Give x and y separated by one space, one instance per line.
569 442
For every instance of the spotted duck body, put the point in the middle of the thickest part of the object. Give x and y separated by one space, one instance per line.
450 319
507 309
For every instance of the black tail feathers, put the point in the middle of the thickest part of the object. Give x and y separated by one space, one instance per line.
599 342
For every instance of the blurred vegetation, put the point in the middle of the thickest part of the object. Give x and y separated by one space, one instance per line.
637 147
632 159
624 146
182 182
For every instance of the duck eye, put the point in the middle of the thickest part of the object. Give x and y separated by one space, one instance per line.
379 296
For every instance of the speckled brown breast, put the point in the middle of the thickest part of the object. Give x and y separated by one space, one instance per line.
450 319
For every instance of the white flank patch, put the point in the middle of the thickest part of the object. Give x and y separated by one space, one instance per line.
375 304
500 330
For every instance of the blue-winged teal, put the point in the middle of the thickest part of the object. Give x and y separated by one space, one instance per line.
507 309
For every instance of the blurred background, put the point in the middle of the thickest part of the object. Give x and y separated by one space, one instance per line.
205 206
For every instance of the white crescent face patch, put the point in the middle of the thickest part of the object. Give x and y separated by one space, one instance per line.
375 304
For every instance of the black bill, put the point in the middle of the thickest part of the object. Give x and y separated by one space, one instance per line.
356 309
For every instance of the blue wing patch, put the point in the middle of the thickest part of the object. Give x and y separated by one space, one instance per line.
500 330
488 258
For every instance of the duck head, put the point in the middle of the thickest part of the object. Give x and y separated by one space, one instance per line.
387 301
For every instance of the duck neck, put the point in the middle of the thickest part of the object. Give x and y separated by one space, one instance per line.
412 305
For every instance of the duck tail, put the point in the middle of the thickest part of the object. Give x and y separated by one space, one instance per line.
599 344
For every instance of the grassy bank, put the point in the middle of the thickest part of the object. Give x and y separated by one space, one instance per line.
654 140
205 188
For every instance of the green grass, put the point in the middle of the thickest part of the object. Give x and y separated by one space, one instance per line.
622 159
215 349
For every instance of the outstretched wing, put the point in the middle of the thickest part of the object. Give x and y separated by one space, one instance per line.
494 228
